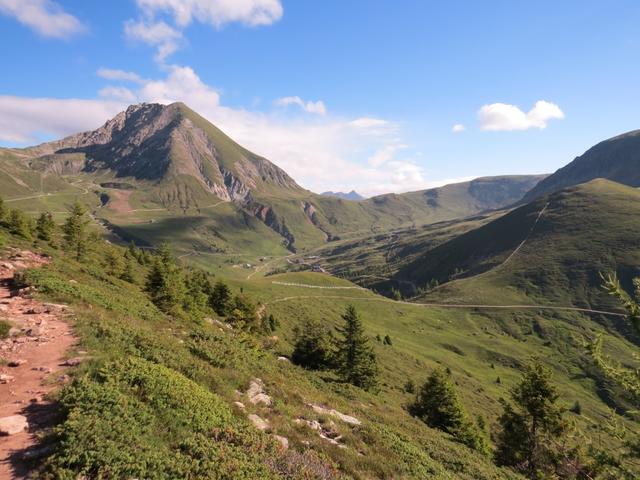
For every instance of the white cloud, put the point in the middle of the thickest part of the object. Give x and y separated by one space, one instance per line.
23 120
157 34
504 117
458 128
216 12
385 154
112 74
320 152
368 122
311 107
43 16
118 93
152 29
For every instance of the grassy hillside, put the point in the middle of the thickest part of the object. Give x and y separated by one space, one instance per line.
571 236
156 397
616 159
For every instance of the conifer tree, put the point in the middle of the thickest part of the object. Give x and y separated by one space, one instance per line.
75 231
220 298
165 282
532 426
19 224
45 226
312 346
198 290
355 360
437 404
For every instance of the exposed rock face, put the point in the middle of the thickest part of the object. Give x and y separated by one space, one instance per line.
256 393
168 145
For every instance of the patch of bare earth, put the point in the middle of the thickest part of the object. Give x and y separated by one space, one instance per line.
119 201
32 365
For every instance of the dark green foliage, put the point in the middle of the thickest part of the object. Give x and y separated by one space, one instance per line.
45 226
437 404
312 345
220 298
165 282
129 271
243 313
114 262
410 386
75 231
198 289
137 419
576 408
354 358
19 224
532 426
387 340
274 323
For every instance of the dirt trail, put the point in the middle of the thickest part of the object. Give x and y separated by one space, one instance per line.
36 348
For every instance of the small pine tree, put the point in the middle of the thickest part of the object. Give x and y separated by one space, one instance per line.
243 313
19 224
532 426
198 290
437 404
387 340
129 271
75 231
355 360
45 226
165 282
312 345
113 262
576 408
220 298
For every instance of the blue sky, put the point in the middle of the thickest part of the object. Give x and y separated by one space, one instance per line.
342 94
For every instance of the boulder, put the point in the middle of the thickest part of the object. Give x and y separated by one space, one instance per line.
13 424
284 441
259 423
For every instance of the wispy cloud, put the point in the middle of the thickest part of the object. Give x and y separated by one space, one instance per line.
161 22
505 117
114 74
45 17
309 106
458 128
155 33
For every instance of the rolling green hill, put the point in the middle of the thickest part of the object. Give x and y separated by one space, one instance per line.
155 171
616 159
550 251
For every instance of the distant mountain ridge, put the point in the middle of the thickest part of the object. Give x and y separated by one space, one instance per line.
616 159
352 195
163 172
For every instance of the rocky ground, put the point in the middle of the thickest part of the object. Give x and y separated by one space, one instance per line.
32 363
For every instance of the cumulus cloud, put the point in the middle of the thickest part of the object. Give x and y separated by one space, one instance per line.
504 117
311 107
43 16
458 128
216 12
152 29
155 33
320 152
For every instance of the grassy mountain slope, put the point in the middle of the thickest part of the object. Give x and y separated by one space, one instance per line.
616 159
582 231
155 163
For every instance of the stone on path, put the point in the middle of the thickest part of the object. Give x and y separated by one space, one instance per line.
13 424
